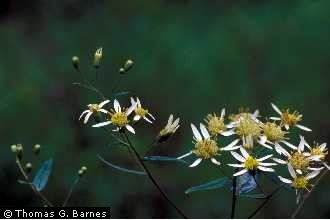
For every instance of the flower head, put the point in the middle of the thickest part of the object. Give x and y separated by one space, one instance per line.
215 124
93 109
141 112
169 129
118 117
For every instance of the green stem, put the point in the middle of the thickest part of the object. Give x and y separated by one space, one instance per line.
68 197
234 198
152 178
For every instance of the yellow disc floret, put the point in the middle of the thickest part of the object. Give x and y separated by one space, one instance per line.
299 161
300 183
248 126
273 132
141 111
119 119
94 107
215 124
317 151
206 149
290 118
251 163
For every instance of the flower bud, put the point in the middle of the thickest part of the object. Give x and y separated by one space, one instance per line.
13 148
28 167
75 62
128 65
97 58
36 149
121 71
19 151
82 171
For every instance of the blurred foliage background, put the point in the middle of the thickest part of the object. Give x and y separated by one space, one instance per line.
192 58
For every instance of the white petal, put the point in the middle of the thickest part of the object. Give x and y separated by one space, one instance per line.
275 118
277 160
204 131
291 171
323 146
103 110
244 152
327 166
132 101
235 165
147 119
313 174
215 161
223 112
267 164
185 155
170 120
228 133
84 112
237 156
315 168
307 145
265 157
231 146
315 157
136 117
266 169
196 162
240 172
303 127
116 106
104 103
255 114
130 110
301 144
263 139
130 128
87 117
151 116
299 171
286 126
276 109
280 150
284 180
138 102
289 145
101 124
265 145
196 133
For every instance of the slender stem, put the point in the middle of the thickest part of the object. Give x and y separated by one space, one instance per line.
234 198
68 197
295 213
152 178
258 185
42 197
266 201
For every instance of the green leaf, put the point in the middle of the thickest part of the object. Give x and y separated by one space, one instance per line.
254 196
41 178
246 183
214 184
121 168
164 158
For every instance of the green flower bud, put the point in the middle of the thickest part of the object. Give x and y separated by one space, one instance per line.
82 171
121 71
97 57
75 62
128 65
28 167
36 149
13 148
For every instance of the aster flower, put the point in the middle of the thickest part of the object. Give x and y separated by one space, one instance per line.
93 109
288 118
215 124
317 153
205 147
169 129
141 112
249 163
118 117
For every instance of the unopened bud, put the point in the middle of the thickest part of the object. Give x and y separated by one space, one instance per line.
19 151
13 148
121 71
28 167
36 149
128 65
75 62
82 171
97 57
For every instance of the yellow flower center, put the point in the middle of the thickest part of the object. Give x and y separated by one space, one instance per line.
206 149
291 118
299 161
300 183
273 132
248 127
119 119
317 151
94 108
251 163
141 111
215 125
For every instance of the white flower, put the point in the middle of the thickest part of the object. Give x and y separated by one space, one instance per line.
93 109
118 117
289 119
249 163
141 112
215 125
317 153
205 147
169 129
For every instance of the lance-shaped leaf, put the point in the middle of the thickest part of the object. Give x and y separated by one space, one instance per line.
245 183
164 158
41 178
121 168
214 184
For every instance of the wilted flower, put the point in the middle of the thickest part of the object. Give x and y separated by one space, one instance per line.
118 117
94 109
317 153
141 112
98 57
169 129
205 147
289 118
215 125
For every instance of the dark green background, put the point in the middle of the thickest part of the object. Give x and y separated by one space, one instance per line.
192 57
